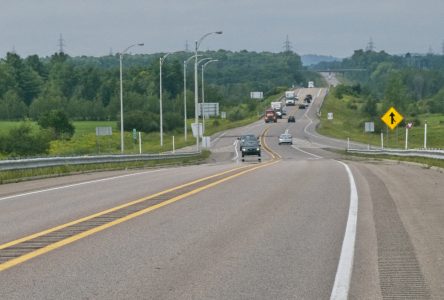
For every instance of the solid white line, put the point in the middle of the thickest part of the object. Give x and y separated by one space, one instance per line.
76 184
320 90
314 155
343 274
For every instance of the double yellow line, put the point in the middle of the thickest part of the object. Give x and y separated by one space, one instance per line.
15 261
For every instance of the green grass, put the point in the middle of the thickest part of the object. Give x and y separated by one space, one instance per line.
349 123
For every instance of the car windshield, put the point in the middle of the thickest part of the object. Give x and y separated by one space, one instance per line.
251 143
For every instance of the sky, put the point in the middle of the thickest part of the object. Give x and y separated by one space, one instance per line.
324 27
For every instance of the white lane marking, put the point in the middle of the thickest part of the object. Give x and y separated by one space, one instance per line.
76 184
235 150
345 266
314 155
320 90
217 139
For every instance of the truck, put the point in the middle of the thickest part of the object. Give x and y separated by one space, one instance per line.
290 98
270 115
311 84
277 106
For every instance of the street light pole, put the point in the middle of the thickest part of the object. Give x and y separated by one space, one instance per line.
161 60
196 47
203 93
185 95
122 145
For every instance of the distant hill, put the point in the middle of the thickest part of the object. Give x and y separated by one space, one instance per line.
313 59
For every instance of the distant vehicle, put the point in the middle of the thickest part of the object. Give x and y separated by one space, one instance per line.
311 84
284 111
290 98
291 119
285 138
270 116
309 97
246 137
251 147
301 105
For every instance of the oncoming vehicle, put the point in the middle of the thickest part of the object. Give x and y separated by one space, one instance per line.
246 137
291 119
251 147
285 138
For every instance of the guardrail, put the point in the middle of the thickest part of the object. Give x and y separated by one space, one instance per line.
79 160
430 153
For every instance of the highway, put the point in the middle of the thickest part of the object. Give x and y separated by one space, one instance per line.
305 223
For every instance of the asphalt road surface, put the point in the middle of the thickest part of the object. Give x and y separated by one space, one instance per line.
305 223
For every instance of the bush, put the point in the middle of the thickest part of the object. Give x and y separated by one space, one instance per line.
22 141
58 123
141 121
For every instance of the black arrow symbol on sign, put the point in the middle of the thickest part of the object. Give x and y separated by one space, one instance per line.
392 115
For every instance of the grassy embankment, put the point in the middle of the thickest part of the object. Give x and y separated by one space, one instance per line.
348 122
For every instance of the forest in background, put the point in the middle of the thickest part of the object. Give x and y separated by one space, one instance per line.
414 84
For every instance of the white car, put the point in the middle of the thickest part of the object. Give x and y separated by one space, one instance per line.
285 138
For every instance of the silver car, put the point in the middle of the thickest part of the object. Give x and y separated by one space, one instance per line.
285 138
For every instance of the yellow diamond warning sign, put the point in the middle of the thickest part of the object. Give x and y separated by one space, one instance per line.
392 118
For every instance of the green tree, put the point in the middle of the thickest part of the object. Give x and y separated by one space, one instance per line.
59 123
12 107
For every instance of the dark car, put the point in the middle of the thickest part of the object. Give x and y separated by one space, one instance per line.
291 119
244 138
302 106
251 147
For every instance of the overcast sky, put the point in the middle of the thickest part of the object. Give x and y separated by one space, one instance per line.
328 27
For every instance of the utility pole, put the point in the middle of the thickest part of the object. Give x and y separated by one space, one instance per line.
187 48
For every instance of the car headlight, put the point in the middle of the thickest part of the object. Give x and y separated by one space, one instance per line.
257 149
243 149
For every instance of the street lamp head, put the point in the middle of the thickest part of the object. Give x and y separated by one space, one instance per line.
141 44
218 32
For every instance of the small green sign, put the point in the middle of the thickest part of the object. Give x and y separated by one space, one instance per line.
134 133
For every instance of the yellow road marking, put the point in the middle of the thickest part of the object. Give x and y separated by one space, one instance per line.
30 237
79 236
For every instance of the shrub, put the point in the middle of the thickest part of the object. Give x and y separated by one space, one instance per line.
23 141
58 123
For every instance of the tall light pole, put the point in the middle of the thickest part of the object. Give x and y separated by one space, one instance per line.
196 47
203 92
122 147
161 60
185 95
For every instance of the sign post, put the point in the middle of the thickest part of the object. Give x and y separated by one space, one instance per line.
407 127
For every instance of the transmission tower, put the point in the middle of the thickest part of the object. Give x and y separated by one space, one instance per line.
287 45
187 48
370 45
61 44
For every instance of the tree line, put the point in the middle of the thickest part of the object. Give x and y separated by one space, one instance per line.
412 83
87 88
55 90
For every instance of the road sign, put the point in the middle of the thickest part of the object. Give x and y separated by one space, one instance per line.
369 127
330 116
392 118
197 129
104 131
